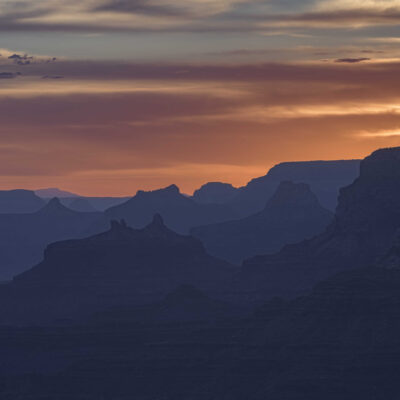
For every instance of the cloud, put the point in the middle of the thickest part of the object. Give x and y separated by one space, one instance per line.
352 60
23 59
106 126
8 75
193 15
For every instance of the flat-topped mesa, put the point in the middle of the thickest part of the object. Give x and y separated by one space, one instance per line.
169 190
292 214
122 265
122 246
363 232
292 194
324 177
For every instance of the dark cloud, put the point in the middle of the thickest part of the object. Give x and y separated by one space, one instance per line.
25 59
352 60
70 135
9 75
242 17
142 7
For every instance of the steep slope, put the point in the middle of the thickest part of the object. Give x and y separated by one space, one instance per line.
291 215
179 212
120 266
365 226
324 177
23 237
19 201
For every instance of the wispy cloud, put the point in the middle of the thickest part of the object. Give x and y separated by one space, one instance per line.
193 15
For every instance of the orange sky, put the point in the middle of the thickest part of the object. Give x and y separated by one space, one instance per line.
97 132
105 97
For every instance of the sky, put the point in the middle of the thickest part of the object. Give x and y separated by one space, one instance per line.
105 97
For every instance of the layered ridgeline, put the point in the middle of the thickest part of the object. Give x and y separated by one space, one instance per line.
365 225
23 237
19 201
120 266
179 212
342 341
325 178
80 203
292 214
346 336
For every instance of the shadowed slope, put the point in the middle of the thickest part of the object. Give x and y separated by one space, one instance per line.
117 267
325 178
23 237
291 215
19 201
365 226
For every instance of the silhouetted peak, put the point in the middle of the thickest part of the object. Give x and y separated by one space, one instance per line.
158 220
172 189
289 193
54 207
54 202
118 225
157 226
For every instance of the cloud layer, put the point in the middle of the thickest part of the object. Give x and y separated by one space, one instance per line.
194 15
117 127
109 96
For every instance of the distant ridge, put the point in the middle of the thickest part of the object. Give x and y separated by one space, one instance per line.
54 192
366 225
179 212
19 201
292 214
24 236
325 178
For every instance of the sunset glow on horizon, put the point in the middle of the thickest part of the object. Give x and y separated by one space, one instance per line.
103 97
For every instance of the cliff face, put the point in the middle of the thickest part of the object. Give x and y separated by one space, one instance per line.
325 178
364 228
291 215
